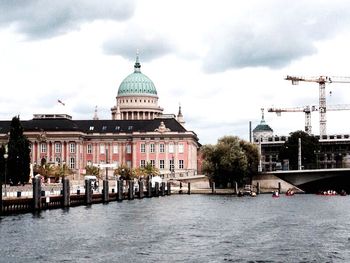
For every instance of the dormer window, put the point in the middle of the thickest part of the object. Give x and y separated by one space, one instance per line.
130 128
91 128
104 128
117 128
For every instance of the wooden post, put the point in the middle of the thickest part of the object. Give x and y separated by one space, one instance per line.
120 190
1 203
189 188
279 187
236 188
156 192
168 188
66 192
36 193
213 187
162 192
105 191
258 188
141 193
180 191
131 190
88 192
149 189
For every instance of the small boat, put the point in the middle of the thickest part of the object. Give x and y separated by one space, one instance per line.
290 192
275 194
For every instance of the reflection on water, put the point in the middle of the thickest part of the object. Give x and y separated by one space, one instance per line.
195 228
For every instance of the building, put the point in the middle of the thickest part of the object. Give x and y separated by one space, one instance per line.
334 149
138 133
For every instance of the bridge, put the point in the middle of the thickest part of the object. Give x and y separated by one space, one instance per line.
312 181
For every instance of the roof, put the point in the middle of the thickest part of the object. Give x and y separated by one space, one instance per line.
137 83
95 126
262 127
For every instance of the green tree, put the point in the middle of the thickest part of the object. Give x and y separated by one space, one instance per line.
18 164
309 146
93 170
2 162
230 160
124 172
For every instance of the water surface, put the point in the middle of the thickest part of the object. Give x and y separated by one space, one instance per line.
195 228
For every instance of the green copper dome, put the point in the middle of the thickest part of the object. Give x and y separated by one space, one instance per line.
137 83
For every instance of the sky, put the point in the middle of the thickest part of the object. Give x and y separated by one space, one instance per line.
221 60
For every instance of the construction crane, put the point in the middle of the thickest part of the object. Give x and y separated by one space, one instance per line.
321 80
307 110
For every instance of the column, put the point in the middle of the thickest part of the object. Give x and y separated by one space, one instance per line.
134 158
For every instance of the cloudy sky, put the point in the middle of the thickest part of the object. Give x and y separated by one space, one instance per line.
222 60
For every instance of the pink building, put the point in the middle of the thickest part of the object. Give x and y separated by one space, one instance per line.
138 133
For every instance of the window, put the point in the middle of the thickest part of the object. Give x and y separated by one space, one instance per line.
102 148
171 164
143 147
72 163
129 128
104 128
161 148
181 164
181 148
43 147
116 163
89 163
152 148
91 128
115 149
72 147
161 164
153 163
89 148
142 163
128 164
58 147
128 148
58 160
171 148
117 128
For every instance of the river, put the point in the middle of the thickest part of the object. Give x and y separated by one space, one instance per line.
184 228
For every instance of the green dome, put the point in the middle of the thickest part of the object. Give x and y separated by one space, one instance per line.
262 127
137 83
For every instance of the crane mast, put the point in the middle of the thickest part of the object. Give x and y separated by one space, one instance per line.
321 80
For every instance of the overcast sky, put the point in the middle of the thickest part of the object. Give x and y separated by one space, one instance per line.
221 60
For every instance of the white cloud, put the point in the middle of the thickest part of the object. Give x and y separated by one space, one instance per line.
221 60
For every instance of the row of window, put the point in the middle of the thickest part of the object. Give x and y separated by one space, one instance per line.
58 147
153 163
161 148
152 148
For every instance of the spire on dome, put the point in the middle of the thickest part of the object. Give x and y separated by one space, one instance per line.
137 65
262 116
95 114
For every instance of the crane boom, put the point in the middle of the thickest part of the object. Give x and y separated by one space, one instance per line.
307 110
321 80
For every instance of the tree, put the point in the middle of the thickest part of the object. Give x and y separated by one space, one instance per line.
93 170
309 148
124 172
230 160
2 162
18 164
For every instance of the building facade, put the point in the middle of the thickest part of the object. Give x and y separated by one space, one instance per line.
138 133
334 150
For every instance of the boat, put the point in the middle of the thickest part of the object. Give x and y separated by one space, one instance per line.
290 192
275 194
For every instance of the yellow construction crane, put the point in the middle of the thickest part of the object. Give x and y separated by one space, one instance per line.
321 80
307 110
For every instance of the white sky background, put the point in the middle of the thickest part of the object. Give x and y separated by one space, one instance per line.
222 60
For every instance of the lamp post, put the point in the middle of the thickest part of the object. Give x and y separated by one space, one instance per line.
5 157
